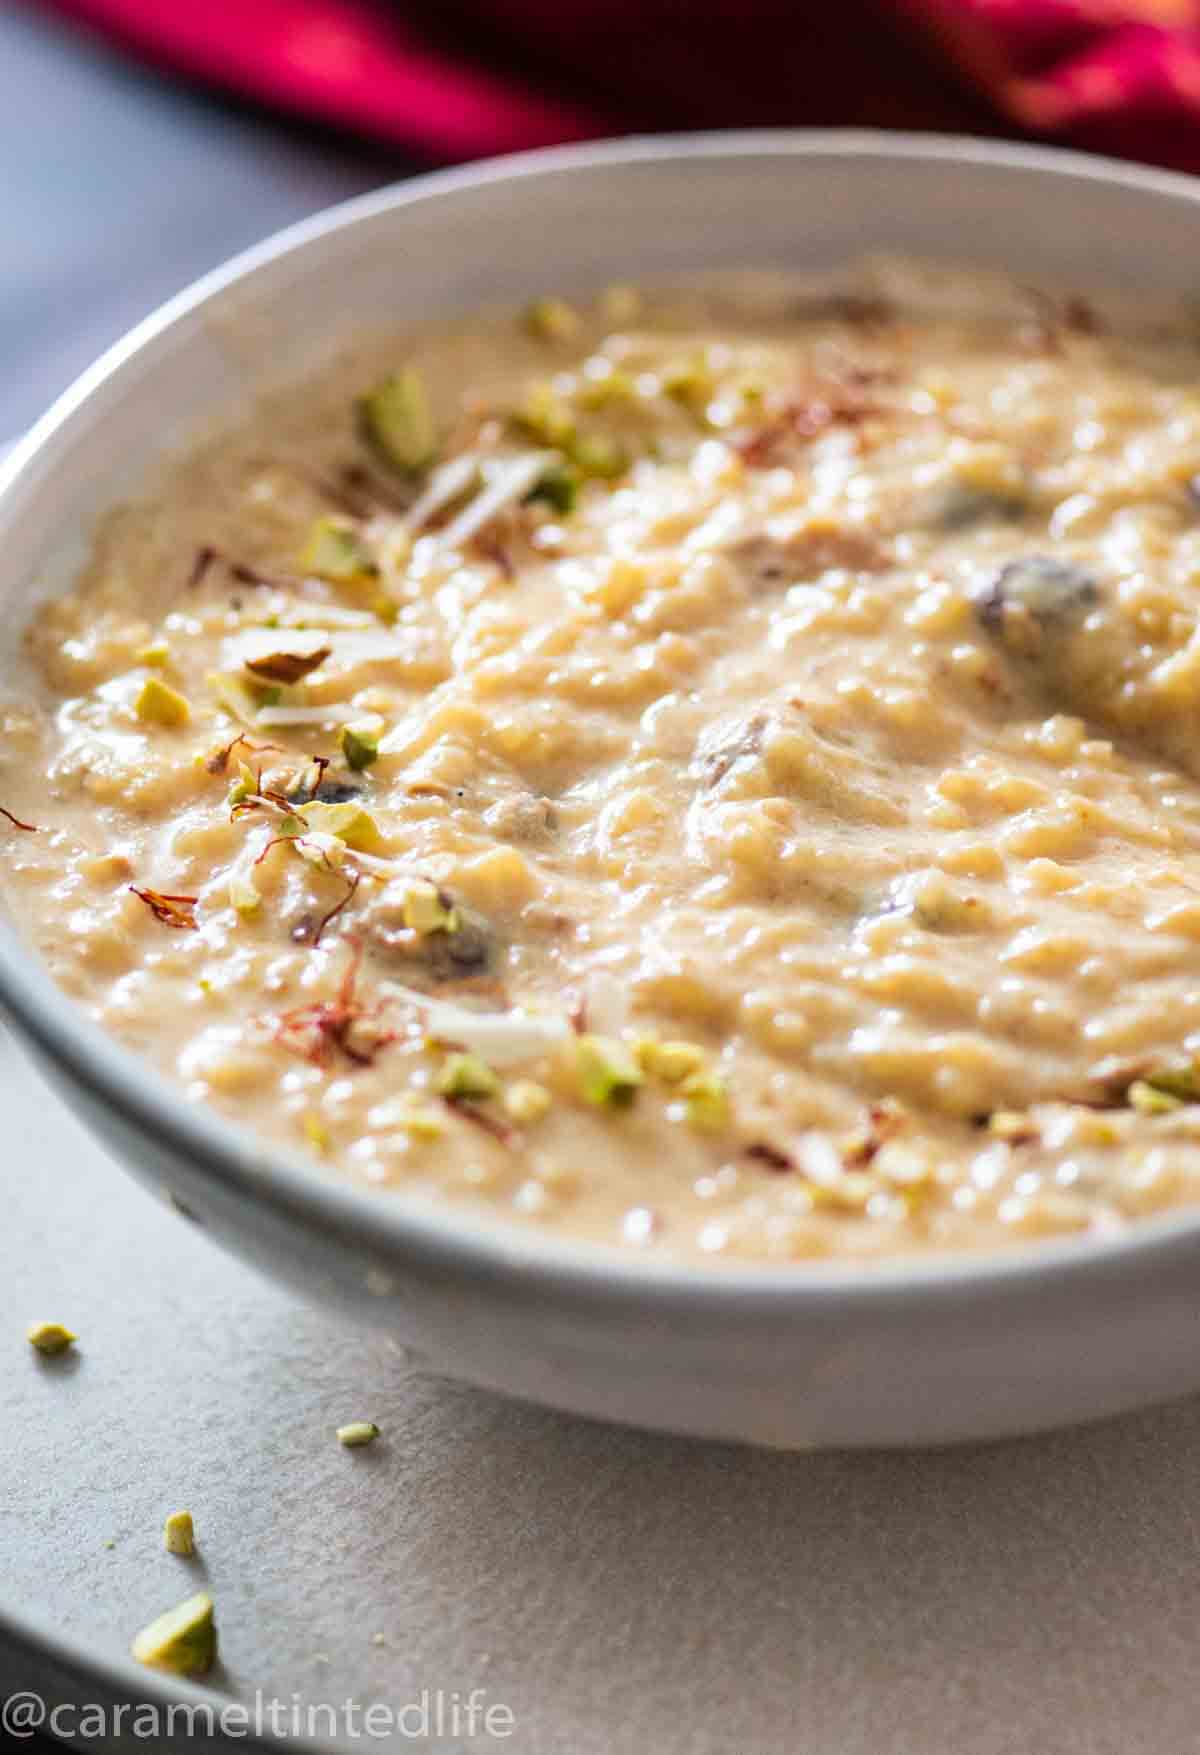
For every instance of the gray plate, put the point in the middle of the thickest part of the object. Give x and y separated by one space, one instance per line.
618 1591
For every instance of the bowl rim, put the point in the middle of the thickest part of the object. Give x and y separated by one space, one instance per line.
496 1252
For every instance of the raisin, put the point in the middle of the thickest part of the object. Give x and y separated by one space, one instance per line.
1045 590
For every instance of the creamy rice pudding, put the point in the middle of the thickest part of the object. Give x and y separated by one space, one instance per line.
712 771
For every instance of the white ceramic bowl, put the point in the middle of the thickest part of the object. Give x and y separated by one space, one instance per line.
910 1353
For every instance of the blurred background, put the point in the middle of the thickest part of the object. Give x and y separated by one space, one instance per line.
143 141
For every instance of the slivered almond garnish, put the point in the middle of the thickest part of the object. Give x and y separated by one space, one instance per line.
287 667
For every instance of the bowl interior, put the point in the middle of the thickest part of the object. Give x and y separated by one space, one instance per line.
561 221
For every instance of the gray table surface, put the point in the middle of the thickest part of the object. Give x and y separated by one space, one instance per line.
619 1592
118 188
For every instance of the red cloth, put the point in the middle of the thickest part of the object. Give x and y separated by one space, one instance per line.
454 79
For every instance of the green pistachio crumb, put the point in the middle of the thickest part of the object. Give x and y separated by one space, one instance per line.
179 1534
159 704
183 1641
357 1433
596 455
425 910
707 1100
608 1074
558 488
545 417
551 320
315 1132
525 1101
395 421
360 747
349 822
466 1075
1181 1080
245 784
244 895
50 1337
612 388
335 550
688 382
1147 1099
669 1061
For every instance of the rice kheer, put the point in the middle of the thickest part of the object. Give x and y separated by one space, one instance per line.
712 771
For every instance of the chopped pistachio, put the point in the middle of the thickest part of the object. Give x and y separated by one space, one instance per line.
558 487
608 1074
551 320
596 455
1181 1080
335 550
183 1641
707 1099
349 822
602 392
385 607
315 1132
245 784
179 1534
1147 1099
244 894
360 746
357 1433
49 1337
688 382
396 422
157 653
544 416
669 1061
159 704
466 1075
425 911
526 1101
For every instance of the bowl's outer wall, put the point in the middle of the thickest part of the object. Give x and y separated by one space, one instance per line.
973 1355
888 1372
